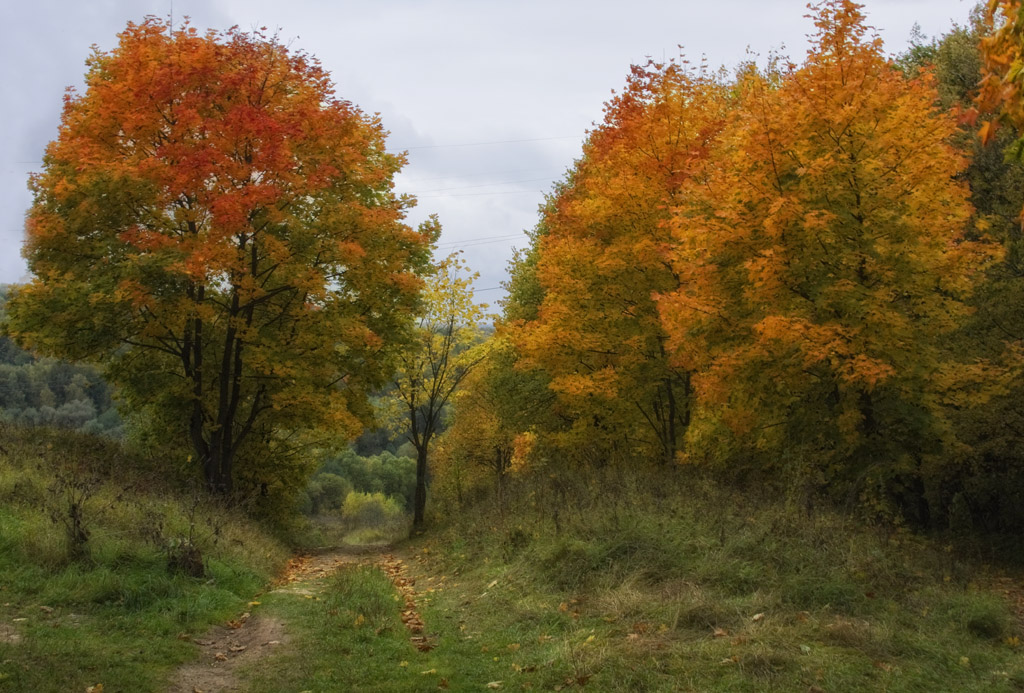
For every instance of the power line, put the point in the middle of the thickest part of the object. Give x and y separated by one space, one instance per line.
460 176
484 185
481 144
502 237
473 244
500 192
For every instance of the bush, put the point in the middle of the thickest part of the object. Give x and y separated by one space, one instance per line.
373 510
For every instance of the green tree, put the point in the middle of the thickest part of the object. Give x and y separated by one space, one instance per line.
436 362
218 229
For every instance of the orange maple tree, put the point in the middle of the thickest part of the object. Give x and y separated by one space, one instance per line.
597 333
219 229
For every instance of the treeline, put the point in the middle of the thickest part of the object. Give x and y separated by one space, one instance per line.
50 392
341 475
803 278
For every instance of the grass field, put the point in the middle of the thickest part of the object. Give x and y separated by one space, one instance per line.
111 611
691 589
678 596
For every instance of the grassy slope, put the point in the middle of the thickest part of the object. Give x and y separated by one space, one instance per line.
113 616
683 593
689 590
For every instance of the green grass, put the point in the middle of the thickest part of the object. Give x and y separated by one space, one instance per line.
113 612
675 595
350 637
689 588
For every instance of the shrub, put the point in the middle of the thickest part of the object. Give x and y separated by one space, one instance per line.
372 510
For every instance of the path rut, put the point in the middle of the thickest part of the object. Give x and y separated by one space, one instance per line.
225 649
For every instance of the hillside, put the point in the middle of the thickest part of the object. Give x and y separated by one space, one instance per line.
117 607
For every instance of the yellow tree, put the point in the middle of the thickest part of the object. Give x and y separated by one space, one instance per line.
486 436
436 361
597 334
1002 85
219 230
823 262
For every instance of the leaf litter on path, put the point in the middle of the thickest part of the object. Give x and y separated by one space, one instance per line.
397 572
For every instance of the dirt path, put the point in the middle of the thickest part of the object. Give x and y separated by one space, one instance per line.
227 648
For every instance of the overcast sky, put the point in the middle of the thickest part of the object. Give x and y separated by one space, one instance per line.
490 98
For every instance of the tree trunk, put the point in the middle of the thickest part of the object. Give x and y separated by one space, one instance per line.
419 501
217 470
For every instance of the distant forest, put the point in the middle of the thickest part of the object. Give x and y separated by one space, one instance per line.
49 392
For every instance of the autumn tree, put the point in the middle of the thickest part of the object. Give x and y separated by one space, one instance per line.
984 479
218 229
490 432
435 363
823 263
1002 86
596 333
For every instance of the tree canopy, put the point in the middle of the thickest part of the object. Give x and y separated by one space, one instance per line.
218 229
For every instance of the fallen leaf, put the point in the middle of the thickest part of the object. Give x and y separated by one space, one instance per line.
495 684
428 672
720 633
98 688
220 657
757 617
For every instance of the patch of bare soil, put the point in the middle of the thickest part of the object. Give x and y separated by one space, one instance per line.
9 634
224 650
